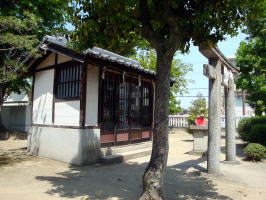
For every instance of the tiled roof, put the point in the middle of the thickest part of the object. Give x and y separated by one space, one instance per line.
110 56
103 54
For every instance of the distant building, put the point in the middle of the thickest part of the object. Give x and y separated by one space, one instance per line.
16 113
241 109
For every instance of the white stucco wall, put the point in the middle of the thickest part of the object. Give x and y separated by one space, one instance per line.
50 60
92 96
43 97
61 58
67 113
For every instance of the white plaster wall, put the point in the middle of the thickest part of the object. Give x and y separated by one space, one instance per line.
67 113
50 60
61 58
75 146
43 97
92 96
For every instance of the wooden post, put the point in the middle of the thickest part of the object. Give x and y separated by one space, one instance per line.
214 119
83 88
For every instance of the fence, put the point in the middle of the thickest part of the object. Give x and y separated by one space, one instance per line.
180 121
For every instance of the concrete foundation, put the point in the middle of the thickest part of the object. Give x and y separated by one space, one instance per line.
74 146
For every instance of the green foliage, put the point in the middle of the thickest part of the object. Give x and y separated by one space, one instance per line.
147 59
16 42
251 58
114 24
22 24
52 13
258 134
198 108
246 125
255 152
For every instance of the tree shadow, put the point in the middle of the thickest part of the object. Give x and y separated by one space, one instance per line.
124 181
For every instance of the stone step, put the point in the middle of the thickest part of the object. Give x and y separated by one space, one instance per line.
122 157
106 151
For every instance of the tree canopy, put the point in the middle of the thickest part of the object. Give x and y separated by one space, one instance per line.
251 59
23 23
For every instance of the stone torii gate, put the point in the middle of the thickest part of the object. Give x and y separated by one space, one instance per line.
219 71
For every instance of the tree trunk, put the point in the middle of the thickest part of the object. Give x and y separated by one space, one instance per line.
2 92
153 176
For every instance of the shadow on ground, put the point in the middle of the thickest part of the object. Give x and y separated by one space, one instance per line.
123 181
13 156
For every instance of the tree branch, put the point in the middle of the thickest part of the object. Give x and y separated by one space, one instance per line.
147 29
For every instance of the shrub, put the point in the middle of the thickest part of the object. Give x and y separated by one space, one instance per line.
255 152
245 126
258 134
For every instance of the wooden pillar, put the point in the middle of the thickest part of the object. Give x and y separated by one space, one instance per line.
230 120
214 116
83 88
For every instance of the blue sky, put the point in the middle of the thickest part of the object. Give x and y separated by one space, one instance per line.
200 82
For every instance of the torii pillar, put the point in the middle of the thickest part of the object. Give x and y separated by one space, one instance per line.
230 128
213 72
217 66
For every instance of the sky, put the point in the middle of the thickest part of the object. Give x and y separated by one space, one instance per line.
194 57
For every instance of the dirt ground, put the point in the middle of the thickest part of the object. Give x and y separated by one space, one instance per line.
27 177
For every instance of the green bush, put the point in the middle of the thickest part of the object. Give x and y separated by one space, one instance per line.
245 127
255 152
258 134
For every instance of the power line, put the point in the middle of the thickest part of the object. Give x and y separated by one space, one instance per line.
198 88
192 96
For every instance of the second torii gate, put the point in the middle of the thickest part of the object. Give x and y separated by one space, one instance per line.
219 71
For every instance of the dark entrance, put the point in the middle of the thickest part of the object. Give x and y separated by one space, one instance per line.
125 109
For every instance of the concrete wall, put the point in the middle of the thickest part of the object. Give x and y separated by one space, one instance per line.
67 113
43 97
74 146
92 96
16 118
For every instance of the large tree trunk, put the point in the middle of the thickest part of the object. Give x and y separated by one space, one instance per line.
154 173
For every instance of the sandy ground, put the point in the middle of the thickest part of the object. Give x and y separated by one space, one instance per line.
32 178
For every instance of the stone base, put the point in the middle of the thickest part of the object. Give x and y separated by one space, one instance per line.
235 162
74 146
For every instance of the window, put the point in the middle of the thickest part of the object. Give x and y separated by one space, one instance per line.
126 105
67 84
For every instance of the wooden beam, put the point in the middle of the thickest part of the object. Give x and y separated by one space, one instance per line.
83 89
209 71
54 88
